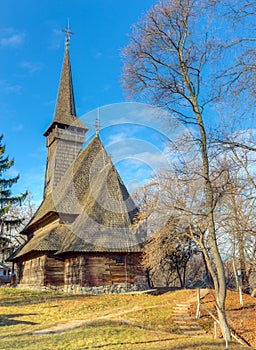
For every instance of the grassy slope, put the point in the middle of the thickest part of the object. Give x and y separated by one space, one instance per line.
113 322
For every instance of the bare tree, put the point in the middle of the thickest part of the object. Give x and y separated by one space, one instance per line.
237 77
18 216
237 214
240 74
164 63
169 251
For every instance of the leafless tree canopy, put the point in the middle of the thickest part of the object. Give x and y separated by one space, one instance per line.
185 55
164 52
10 237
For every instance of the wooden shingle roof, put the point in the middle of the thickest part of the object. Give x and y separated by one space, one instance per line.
108 211
93 192
49 239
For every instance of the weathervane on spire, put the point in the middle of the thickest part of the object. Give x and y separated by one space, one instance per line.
68 33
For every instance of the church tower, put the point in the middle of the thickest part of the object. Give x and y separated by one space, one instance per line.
65 135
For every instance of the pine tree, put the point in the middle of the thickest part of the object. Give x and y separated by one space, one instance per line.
7 200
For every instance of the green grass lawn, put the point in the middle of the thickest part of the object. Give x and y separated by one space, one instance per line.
137 321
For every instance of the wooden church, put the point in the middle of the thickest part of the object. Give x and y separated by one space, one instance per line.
80 239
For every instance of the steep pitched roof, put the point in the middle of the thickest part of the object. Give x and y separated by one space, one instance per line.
68 195
94 193
65 113
48 239
107 210
46 207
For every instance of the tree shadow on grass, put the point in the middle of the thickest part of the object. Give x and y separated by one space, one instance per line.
246 307
32 299
209 345
129 343
181 342
9 320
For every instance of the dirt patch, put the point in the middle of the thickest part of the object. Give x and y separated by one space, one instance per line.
67 326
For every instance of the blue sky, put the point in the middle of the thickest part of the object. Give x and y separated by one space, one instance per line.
31 51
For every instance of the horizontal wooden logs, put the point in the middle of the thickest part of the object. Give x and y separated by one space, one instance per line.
89 270
81 269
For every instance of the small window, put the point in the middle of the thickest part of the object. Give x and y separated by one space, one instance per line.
119 259
4 272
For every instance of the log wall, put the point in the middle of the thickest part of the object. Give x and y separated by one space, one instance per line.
41 271
54 271
101 270
84 270
31 271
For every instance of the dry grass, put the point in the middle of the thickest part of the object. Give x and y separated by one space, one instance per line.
241 318
110 322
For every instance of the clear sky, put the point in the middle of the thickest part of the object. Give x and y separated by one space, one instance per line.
31 51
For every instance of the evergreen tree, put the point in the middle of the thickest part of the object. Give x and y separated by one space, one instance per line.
7 200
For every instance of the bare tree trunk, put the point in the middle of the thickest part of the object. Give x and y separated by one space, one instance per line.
240 241
218 279
220 290
184 275
165 59
244 276
179 275
235 273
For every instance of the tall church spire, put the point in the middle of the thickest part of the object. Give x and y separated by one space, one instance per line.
65 135
65 112
65 108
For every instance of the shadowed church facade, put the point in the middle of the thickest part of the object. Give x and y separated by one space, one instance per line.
80 239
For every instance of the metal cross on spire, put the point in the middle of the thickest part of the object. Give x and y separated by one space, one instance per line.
68 33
